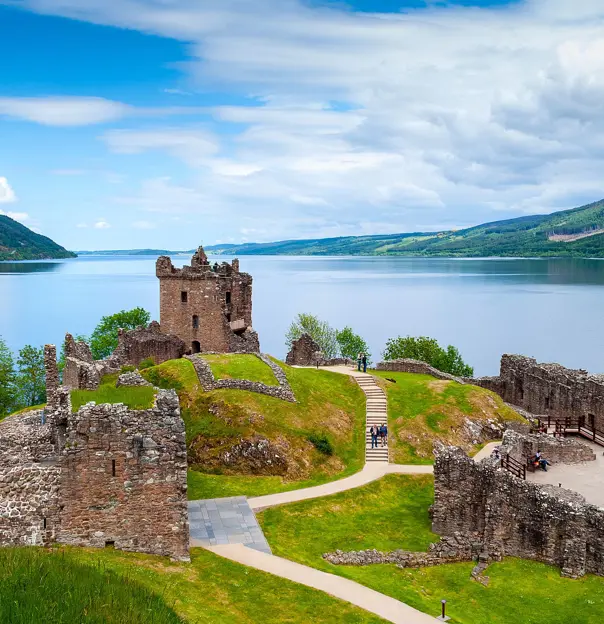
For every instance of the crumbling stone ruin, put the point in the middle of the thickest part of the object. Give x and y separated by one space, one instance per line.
207 306
208 382
304 352
80 372
516 518
549 389
103 476
142 343
132 379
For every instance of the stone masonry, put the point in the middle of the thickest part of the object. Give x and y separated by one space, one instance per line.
208 382
103 476
304 352
516 518
80 372
557 450
142 343
407 365
208 307
549 389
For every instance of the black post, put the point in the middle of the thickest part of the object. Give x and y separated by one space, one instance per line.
444 605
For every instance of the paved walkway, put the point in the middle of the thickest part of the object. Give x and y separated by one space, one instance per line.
384 606
370 472
225 521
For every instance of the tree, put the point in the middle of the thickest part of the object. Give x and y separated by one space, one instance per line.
8 397
428 350
31 376
351 344
320 331
104 338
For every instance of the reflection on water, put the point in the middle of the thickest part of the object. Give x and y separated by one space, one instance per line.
548 308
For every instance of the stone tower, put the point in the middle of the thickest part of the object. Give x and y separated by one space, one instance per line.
207 306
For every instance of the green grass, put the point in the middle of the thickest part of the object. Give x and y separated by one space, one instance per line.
51 587
212 590
136 398
238 366
422 409
393 513
327 403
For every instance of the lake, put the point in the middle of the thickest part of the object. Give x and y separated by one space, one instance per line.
550 309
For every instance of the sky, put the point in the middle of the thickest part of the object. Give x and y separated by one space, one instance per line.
169 123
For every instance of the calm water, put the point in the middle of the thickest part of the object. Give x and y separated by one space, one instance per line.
550 309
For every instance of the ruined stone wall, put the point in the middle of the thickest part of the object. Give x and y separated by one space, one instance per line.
512 517
304 352
208 382
549 389
209 308
80 372
556 450
407 365
124 478
29 480
142 343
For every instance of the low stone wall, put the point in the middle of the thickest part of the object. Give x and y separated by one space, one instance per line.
208 382
516 518
406 365
449 550
134 379
555 450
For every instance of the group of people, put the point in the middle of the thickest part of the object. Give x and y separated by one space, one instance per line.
539 461
378 432
362 361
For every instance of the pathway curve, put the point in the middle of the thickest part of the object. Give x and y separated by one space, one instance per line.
384 606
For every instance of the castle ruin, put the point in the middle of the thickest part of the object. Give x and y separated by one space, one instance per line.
103 476
209 307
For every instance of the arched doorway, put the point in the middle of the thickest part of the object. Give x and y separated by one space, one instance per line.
196 347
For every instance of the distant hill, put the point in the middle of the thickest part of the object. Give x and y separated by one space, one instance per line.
19 243
131 252
572 233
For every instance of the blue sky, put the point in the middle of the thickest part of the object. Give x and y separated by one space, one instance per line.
139 123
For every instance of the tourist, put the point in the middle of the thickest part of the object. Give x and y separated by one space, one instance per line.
373 430
364 362
384 434
359 361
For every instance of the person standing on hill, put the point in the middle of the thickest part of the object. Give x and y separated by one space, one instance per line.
359 361
384 434
373 430
364 358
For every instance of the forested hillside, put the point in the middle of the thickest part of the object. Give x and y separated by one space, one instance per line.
19 243
577 233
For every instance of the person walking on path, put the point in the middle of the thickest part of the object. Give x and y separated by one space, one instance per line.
374 431
384 434
359 361
364 362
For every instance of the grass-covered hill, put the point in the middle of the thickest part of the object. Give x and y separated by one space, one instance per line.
19 243
576 233
422 409
242 442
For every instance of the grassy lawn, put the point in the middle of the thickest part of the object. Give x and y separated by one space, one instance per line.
327 403
422 409
238 366
393 513
213 590
136 397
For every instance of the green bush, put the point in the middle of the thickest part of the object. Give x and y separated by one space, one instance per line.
38 587
146 363
127 369
321 443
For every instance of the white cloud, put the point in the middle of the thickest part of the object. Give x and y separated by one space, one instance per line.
7 195
102 225
63 111
144 225
445 115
